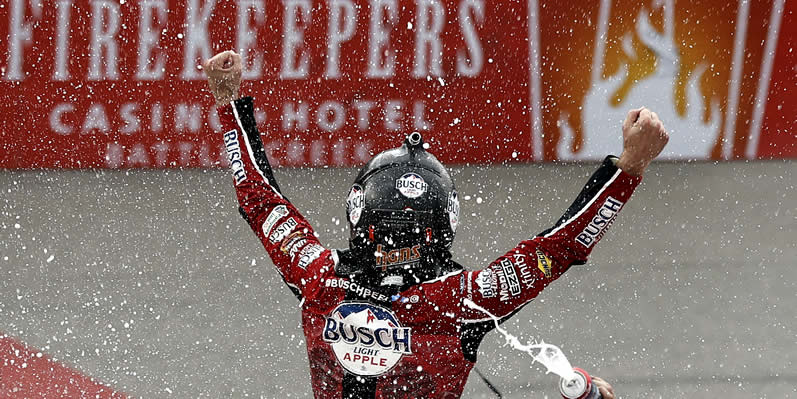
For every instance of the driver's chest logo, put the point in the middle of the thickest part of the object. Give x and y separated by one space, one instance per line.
367 339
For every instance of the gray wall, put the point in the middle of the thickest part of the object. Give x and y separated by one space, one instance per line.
150 281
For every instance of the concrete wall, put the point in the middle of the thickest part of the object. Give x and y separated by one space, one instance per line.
151 282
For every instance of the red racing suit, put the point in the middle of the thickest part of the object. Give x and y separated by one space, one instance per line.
362 343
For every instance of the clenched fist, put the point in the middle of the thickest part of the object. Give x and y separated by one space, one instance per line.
644 137
224 76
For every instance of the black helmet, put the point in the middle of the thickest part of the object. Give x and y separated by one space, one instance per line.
403 213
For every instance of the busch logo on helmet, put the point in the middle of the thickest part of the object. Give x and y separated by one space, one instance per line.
367 339
411 185
453 210
355 204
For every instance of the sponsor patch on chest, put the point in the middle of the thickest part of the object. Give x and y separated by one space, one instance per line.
368 340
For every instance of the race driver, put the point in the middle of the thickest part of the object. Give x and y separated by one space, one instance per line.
386 318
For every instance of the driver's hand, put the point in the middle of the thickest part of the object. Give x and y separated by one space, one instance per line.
224 76
644 137
604 388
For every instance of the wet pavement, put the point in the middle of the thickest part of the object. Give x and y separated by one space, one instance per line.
151 282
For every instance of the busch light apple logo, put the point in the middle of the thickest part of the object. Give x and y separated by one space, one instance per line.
367 339
355 203
411 185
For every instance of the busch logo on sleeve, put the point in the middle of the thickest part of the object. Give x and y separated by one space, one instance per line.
283 230
355 204
598 225
411 185
367 340
234 155
487 282
309 254
279 212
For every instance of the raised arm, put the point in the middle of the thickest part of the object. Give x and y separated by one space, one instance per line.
283 231
521 274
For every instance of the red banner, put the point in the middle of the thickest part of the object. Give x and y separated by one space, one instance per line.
109 83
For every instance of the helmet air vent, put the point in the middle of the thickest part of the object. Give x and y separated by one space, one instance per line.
414 139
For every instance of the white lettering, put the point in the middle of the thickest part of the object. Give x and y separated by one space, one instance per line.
160 149
339 152
113 155
600 222
295 152
197 45
317 152
156 117
138 156
363 113
393 115
427 39
62 31
341 12
19 34
56 123
188 116
330 116
149 32
295 61
213 120
362 152
246 36
470 61
104 26
185 148
96 119
128 112
418 119
381 59
293 118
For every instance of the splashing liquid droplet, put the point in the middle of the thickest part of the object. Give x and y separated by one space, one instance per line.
548 355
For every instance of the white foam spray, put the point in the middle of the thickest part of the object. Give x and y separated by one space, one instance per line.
548 355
